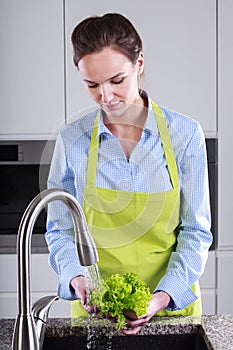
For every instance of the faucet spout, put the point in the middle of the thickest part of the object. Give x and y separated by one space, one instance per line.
28 332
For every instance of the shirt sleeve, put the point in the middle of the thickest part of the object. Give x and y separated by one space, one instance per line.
187 262
63 257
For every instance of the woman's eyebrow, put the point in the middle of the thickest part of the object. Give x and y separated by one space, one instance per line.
113 77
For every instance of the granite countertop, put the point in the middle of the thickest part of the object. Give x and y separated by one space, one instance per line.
218 329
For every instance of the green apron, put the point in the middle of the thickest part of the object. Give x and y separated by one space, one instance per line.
135 232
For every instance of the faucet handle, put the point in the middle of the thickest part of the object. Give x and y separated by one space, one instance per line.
40 308
40 311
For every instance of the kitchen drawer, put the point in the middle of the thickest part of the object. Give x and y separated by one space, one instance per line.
9 306
225 282
8 272
42 276
208 301
208 279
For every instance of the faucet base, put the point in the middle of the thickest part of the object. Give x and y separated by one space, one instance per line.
25 335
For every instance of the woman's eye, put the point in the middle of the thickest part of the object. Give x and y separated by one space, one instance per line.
119 81
92 86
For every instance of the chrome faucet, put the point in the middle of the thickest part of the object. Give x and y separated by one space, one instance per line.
31 321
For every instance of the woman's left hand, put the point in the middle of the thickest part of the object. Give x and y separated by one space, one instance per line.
159 301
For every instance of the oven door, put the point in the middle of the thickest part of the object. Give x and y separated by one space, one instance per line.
212 156
19 184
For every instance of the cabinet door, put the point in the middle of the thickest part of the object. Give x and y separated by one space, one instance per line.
225 283
43 282
208 279
32 68
208 286
208 302
225 122
180 53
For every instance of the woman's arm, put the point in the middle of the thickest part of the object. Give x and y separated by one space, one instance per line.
60 238
187 263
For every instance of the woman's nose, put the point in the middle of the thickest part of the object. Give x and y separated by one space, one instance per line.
106 93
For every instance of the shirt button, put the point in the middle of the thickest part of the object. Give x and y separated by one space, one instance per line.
124 185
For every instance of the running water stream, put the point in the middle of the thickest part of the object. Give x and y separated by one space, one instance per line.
93 281
93 278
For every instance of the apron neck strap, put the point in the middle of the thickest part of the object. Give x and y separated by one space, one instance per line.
166 143
93 153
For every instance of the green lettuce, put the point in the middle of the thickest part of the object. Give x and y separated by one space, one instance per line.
119 293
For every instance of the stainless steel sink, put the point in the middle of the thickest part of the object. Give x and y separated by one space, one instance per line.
191 341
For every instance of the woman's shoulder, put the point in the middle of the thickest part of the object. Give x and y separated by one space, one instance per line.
181 123
174 117
186 133
80 124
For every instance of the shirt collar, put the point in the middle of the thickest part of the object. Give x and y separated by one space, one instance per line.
150 124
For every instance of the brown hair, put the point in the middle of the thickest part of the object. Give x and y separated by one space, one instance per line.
95 33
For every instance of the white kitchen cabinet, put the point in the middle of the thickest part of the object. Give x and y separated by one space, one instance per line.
208 286
208 301
35 100
180 54
225 283
43 282
208 279
225 121
32 68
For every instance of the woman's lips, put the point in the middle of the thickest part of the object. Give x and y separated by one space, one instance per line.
111 106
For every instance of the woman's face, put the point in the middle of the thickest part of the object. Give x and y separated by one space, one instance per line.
112 80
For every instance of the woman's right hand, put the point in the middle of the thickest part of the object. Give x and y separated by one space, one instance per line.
79 285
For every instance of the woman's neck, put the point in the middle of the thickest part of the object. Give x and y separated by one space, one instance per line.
133 115
128 127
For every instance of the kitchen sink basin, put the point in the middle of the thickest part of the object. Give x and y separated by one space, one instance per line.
191 341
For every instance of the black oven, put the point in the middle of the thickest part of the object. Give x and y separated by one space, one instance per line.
212 156
24 168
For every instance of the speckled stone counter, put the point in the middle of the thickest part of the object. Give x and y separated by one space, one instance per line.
218 329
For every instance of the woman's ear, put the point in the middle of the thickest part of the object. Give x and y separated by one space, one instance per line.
140 63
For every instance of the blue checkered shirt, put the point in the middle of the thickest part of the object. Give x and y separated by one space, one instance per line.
145 171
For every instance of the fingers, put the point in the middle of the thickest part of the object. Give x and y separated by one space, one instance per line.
140 322
89 309
131 315
79 286
134 326
131 331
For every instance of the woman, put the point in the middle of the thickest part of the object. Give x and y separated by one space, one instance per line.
140 173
